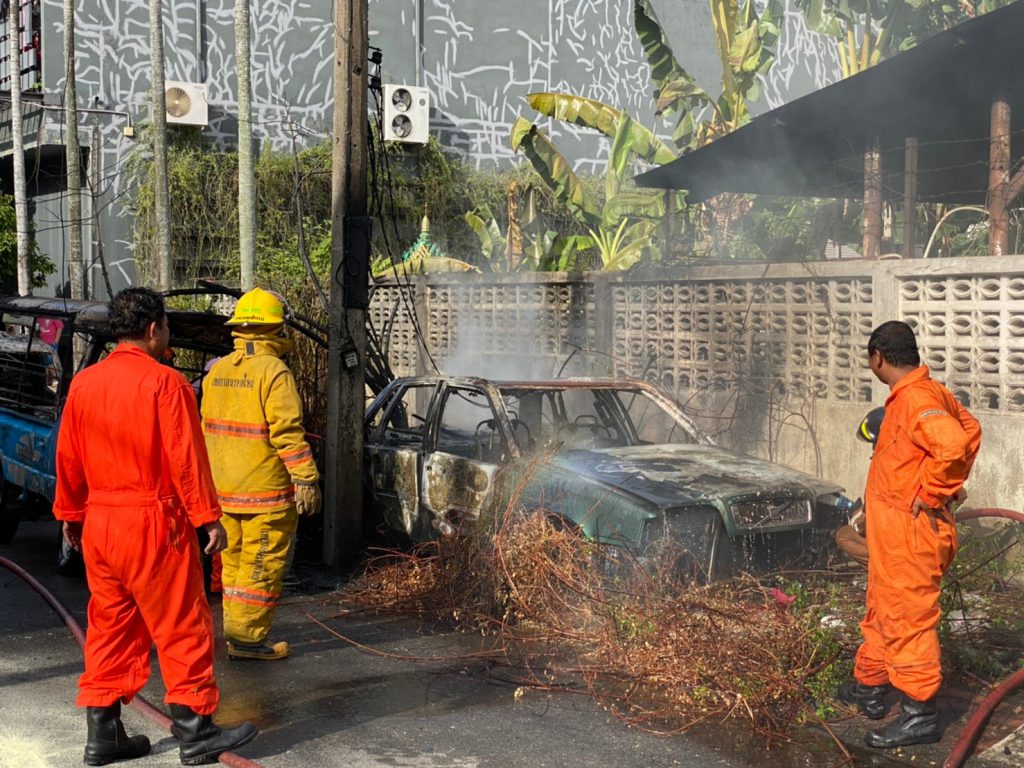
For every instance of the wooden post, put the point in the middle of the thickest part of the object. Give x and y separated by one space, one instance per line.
872 224
998 179
343 509
910 199
670 224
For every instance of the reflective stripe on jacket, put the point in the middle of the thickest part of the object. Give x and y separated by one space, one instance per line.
252 419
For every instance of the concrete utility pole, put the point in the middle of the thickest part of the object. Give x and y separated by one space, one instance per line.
246 172
161 194
73 156
350 244
18 141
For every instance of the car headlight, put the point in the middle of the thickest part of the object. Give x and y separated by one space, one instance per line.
759 514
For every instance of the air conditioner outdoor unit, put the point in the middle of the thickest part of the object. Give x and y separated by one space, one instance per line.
186 103
406 114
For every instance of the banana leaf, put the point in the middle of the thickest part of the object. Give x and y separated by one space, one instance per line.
634 204
555 170
664 67
685 90
578 110
481 220
563 253
589 113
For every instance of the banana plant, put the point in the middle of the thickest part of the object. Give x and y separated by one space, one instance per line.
621 249
744 40
867 31
528 244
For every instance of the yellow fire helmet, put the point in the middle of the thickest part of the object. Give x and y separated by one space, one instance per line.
259 307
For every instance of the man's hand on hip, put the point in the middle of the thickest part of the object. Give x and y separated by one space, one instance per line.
933 513
218 537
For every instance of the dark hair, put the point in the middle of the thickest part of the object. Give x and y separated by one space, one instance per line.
896 342
132 310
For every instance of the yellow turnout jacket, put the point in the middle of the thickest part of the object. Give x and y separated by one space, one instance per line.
252 420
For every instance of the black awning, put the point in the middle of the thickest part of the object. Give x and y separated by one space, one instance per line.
940 92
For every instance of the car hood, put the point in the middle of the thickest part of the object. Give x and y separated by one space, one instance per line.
680 475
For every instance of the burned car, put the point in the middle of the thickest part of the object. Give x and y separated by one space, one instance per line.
619 459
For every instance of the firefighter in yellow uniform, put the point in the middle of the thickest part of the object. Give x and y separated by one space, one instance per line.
262 467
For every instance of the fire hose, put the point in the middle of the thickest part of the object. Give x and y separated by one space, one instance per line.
139 703
975 725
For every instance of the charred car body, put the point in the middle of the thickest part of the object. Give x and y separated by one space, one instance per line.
618 459
34 381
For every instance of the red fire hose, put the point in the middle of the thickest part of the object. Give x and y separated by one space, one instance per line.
139 703
969 736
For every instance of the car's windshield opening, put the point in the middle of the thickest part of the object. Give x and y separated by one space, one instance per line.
592 418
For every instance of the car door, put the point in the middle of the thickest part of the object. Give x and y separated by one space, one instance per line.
394 455
465 449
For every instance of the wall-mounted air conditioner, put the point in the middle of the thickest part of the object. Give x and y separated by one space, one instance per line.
406 114
186 103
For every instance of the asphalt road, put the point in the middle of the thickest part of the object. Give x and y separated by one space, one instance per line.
332 704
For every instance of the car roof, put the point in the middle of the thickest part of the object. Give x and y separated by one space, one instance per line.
566 383
190 328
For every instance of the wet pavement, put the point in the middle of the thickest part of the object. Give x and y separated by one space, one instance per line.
332 704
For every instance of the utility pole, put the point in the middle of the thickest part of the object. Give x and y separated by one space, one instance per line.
246 173
73 154
18 141
350 244
161 194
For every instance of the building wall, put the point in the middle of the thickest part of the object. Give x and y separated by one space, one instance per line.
479 59
770 359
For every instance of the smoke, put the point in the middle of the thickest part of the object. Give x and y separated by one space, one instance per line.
515 331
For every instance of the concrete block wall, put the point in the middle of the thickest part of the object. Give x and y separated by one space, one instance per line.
770 358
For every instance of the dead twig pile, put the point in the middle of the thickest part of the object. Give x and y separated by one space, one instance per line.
657 650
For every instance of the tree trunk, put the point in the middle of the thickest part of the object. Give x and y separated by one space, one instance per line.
246 176
164 276
74 157
20 184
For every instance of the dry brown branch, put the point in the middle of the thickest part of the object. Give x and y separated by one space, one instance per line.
660 652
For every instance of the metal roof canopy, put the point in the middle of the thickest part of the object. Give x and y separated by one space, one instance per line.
941 92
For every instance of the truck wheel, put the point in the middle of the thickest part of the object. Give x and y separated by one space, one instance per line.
69 562
9 518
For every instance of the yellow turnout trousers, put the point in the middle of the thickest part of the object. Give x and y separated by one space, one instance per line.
253 569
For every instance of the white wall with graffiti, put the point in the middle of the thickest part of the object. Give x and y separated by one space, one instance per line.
479 59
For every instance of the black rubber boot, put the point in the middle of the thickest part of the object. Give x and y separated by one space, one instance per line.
918 723
870 699
107 741
201 740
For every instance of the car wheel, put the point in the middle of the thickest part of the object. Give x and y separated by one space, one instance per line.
9 518
69 561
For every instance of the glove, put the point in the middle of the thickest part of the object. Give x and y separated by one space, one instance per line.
307 500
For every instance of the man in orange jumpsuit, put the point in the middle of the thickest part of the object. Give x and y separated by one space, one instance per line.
133 482
925 450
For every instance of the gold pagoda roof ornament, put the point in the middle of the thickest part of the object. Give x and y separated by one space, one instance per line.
424 247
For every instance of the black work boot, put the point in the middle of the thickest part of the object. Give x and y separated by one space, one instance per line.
870 699
918 723
107 740
201 740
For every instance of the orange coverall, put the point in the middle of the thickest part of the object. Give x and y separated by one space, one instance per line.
925 450
132 467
